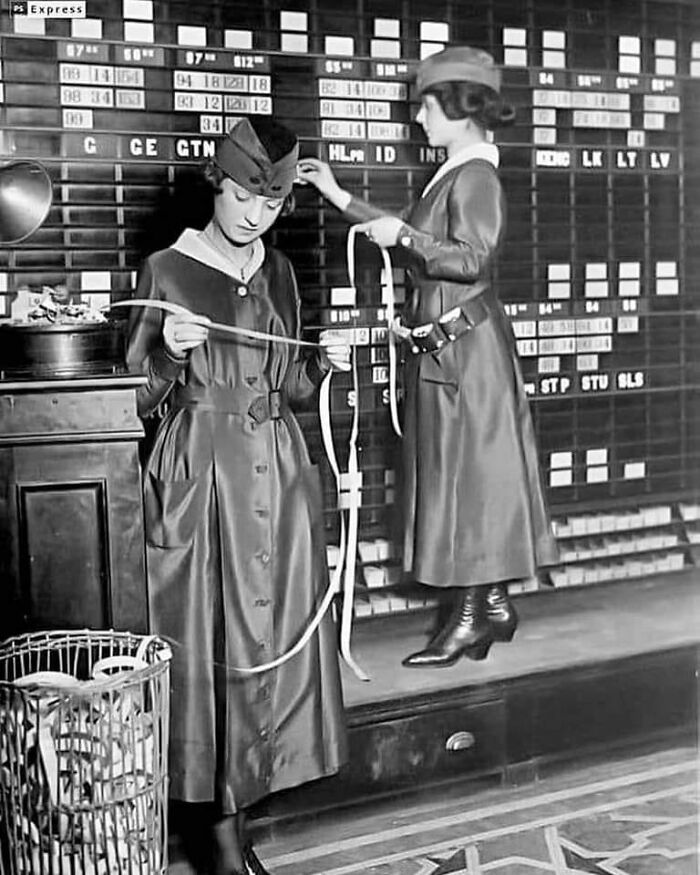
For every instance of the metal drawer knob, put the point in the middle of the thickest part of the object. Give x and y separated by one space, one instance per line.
460 741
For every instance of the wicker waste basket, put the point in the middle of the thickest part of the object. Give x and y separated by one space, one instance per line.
83 753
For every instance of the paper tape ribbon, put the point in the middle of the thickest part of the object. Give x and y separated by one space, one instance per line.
178 309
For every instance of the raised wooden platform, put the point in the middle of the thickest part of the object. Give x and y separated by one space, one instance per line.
590 670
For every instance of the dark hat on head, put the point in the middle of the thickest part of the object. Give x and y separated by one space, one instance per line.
458 64
242 156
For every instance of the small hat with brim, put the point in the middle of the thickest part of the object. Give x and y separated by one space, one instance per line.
242 156
458 64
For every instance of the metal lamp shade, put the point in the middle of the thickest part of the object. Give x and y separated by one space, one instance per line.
25 199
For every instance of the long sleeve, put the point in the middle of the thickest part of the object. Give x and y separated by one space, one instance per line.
362 211
146 352
476 215
308 368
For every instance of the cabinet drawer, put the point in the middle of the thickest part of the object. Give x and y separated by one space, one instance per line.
426 747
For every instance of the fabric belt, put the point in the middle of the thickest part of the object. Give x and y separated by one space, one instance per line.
220 400
452 325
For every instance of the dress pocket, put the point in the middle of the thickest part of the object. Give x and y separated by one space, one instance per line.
173 509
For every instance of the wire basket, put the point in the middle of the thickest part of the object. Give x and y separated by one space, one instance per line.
83 753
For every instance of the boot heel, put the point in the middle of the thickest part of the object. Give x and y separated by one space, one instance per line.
501 634
478 651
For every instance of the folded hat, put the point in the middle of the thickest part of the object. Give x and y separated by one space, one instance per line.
458 64
242 156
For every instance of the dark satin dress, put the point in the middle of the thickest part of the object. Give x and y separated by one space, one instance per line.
235 543
472 493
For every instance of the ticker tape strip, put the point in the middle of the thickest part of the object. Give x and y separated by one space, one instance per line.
348 486
391 336
352 482
177 309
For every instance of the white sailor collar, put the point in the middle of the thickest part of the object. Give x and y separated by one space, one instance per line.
193 244
484 151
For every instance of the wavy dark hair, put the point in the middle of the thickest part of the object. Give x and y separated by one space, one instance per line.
472 100
276 139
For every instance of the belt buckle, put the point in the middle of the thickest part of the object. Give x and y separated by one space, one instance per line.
426 338
455 323
265 407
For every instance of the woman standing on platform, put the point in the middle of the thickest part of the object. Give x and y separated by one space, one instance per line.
235 543
475 515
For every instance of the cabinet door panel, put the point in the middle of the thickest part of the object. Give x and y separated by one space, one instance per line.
64 570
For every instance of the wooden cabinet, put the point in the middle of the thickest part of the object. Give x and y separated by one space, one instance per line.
71 520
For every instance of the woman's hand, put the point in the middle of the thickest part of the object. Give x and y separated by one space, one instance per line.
183 332
334 350
383 231
318 173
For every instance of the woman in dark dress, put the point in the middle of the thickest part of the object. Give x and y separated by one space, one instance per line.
235 545
475 515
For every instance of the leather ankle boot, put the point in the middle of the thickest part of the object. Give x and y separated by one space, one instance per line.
500 612
467 633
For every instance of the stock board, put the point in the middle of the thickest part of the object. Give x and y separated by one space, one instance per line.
599 271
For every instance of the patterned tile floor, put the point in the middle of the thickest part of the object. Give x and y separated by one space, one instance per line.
637 816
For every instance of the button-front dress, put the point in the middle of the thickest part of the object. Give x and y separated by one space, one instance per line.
234 529
472 494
